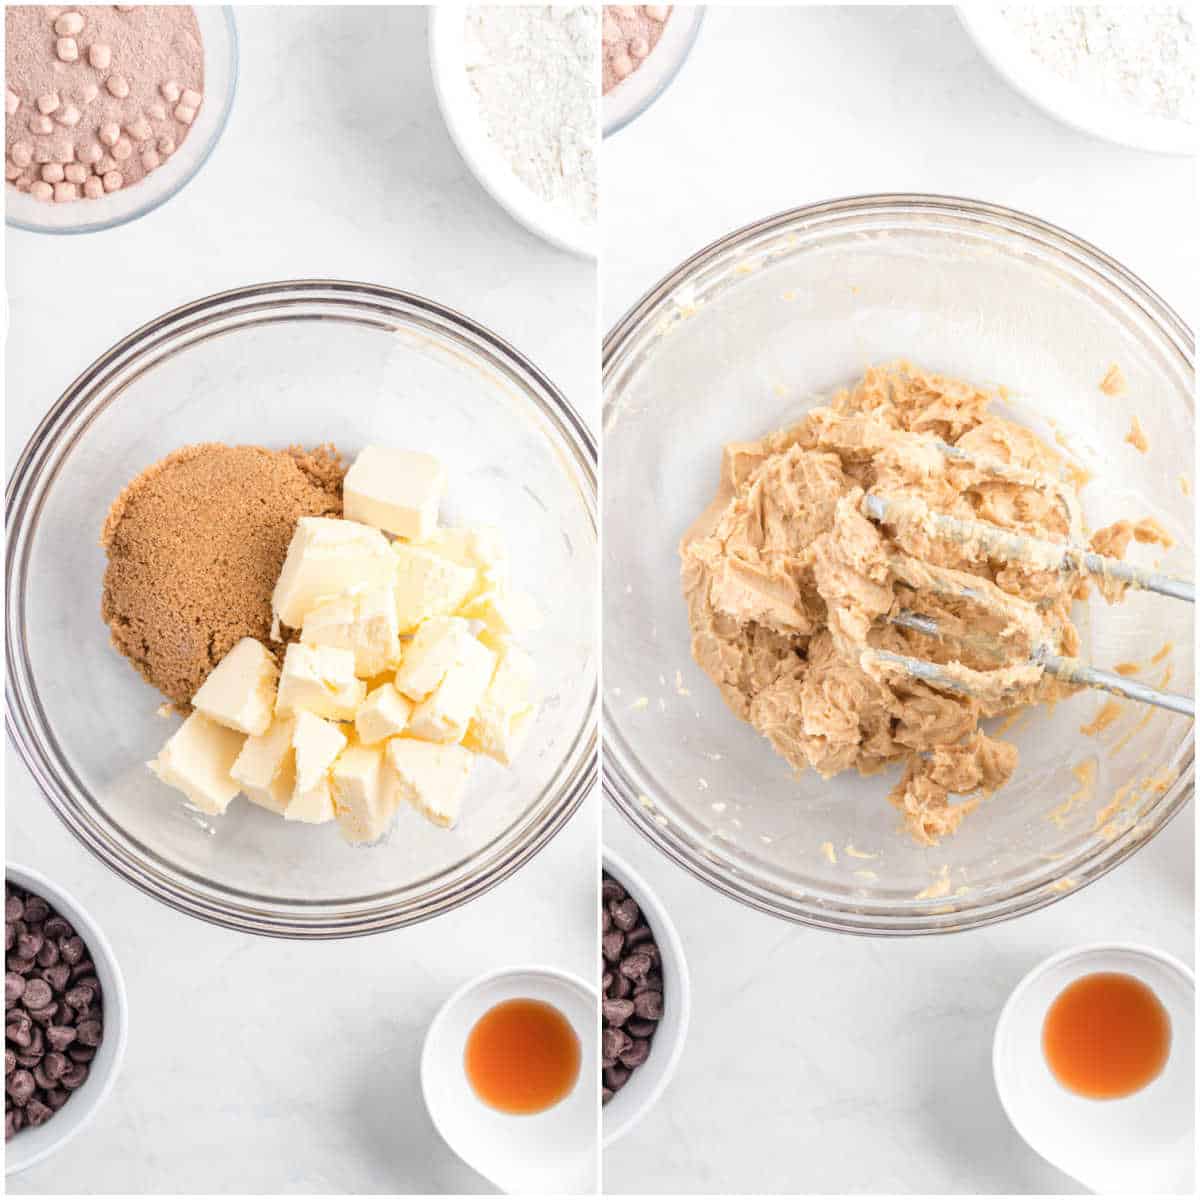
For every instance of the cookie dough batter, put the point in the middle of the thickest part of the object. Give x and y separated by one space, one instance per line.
789 587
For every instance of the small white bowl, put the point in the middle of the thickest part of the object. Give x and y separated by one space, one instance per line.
634 94
1079 107
460 110
548 1152
1142 1143
650 1080
31 1145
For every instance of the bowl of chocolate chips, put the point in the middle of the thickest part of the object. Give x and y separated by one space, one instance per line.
645 997
64 1018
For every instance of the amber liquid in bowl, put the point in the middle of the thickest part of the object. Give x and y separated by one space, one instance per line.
522 1057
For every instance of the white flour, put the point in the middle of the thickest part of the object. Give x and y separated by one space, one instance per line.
1143 57
535 70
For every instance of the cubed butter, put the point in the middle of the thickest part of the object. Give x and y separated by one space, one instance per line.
431 777
434 649
240 690
443 716
364 802
266 767
317 743
383 714
319 680
396 490
328 557
482 547
364 623
504 614
428 585
198 759
505 713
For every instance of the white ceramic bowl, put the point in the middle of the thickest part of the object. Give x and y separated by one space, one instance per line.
447 27
554 1151
650 1080
1140 1144
219 35
30 1145
634 94
1076 106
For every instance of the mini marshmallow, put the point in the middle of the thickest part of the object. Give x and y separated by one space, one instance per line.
22 153
170 91
100 56
109 133
185 114
123 149
113 180
69 24
621 64
90 154
68 116
117 86
11 101
42 154
166 145
639 47
41 124
93 188
48 103
76 172
11 172
150 159
67 49
139 130
41 190
157 111
62 152
107 163
53 173
190 98
88 93
64 192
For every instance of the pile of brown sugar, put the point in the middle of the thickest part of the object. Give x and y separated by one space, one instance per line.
195 545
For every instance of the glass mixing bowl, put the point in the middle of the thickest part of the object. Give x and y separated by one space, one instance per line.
742 339
304 362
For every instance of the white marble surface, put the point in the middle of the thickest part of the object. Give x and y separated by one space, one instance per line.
815 1062
258 1066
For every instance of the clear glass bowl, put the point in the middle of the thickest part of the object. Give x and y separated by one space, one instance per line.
304 362
742 339
218 33
635 93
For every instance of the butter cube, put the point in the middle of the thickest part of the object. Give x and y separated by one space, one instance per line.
482 547
328 557
428 585
266 767
319 680
437 646
364 802
396 490
317 744
383 714
430 777
364 623
240 690
505 613
197 759
444 715
505 713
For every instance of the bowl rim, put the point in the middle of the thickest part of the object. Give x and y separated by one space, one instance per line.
116 1018
664 929
142 210
617 774
37 469
493 175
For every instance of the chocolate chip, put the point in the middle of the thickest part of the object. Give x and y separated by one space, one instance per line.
637 936
74 1076
14 987
617 1012
611 944
90 1032
36 910
20 1086
37 994
37 1113
56 927
635 966
80 996
625 914
648 1005
71 949
614 1043
610 890
616 1077
28 944
636 1054
81 1054
57 977
10 1061
48 954
638 1028
57 1097
54 1064
45 1014
14 908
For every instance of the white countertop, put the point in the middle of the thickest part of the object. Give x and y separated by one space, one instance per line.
257 1065
815 1062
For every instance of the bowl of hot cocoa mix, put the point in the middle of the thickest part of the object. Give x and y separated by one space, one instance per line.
64 1017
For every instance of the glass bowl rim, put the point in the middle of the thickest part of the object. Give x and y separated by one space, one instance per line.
29 731
620 765
143 210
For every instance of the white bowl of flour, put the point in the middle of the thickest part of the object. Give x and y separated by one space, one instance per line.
1119 72
518 87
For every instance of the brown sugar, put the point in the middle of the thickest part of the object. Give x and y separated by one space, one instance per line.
195 544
